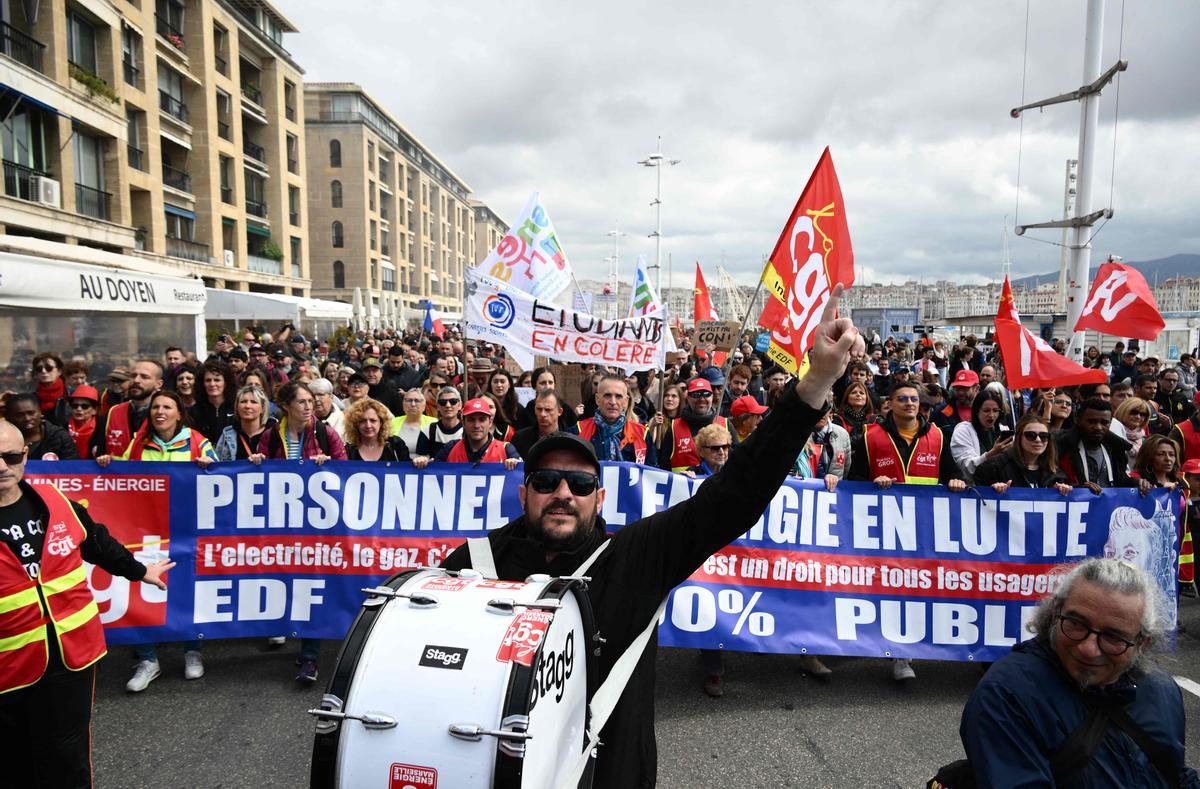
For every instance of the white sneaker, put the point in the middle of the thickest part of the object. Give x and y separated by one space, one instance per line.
193 665
146 672
902 670
275 642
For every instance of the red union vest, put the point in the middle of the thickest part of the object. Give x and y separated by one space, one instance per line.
494 453
60 596
1191 439
883 457
683 453
117 430
634 435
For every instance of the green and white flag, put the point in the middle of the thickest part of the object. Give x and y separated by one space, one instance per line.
643 299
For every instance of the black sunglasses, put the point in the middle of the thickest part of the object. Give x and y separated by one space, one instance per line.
1036 435
448 402
700 393
547 480
13 458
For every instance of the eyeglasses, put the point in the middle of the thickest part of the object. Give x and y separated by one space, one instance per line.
547 480
448 402
701 394
46 368
13 458
1063 403
81 406
907 398
1036 435
717 447
1078 630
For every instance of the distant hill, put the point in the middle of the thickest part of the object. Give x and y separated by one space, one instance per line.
1177 265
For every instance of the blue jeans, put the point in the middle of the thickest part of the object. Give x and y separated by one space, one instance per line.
310 648
150 651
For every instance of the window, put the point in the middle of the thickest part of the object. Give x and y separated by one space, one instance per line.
339 274
23 136
131 55
296 257
294 205
335 194
389 279
133 132
371 195
181 227
335 153
90 197
170 82
373 231
293 155
338 239
170 18
226 168
81 41
289 100
371 156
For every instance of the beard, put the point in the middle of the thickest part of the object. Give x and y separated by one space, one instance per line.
560 541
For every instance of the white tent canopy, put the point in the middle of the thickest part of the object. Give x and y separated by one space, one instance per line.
242 307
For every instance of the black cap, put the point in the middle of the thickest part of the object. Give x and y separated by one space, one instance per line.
279 353
357 378
560 440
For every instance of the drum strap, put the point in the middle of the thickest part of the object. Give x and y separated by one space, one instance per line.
481 557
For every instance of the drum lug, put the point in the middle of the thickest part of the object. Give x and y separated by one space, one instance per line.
512 740
329 703
599 639
370 720
502 606
381 594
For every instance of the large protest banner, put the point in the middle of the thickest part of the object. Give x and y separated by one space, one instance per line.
913 571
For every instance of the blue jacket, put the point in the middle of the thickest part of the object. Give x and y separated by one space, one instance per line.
1027 705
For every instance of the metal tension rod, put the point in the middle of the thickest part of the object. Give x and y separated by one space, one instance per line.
1075 95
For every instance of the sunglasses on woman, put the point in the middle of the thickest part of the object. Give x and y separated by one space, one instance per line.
1036 435
547 480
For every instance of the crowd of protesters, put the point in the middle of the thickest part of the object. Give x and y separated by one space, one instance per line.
915 412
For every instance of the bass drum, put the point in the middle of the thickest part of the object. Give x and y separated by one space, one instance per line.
447 679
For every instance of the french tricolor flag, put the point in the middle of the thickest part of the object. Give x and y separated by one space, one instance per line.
433 321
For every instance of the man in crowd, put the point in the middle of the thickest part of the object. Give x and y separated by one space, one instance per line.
1126 368
546 411
1186 435
1089 453
561 498
904 449
124 419
613 435
399 375
379 389
46 440
477 444
1187 374
1171 399
1145 386
964 387
756 379
299 350
1086 666
47 673
745 415
173 359
680 433
447 428
739 386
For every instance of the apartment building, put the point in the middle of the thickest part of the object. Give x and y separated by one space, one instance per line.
386 216
489 229
165 129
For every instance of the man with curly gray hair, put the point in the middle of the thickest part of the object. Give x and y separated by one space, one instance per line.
1078 703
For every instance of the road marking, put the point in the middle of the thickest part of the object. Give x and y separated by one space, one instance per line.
1188 685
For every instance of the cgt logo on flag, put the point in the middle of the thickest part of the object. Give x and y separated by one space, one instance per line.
1121 304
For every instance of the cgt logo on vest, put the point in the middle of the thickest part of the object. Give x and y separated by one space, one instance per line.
58 541
443 657
926 458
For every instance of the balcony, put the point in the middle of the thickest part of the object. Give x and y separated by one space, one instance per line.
227 195
253 93
92 202
265 265
133 74
188 250
172 106
223 131
21 47
19 181
254 151
169 32
137 158
176 178
256 208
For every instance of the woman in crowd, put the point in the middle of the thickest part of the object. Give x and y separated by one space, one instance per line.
500 386
166 436
46 370
1158 462
369 433
256 376
330 371
431 387
1130 421
672 404
238 441
1031 461
85 403
409 425
214 409
75 374
642 406
826 454
185 385
526 380
502 430
1061 408
300 435
982 438
855 409
1091 357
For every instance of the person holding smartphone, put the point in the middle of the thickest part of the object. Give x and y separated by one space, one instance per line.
982 438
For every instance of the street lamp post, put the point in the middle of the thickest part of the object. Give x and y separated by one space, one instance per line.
658 161
615 271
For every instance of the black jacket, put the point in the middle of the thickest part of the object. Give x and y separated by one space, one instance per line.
1069 460
525 438
860 466
1006 468
646 560
394 449
212 420
56 440
567 420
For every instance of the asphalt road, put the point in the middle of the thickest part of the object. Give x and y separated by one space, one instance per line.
244 725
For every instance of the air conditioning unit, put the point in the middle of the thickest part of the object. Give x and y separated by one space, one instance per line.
47 191
229 262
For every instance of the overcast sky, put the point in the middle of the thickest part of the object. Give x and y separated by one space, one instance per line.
911 97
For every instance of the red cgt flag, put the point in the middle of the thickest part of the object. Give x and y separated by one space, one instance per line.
812 255
1029 361
1121 304
702 310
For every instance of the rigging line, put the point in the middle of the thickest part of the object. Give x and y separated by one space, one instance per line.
1021 120
1112 184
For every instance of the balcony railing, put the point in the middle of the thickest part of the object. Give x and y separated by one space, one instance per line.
176 178
252 92
188 250
137 158
223 131
21 47
169 32
256 208
265 265
172 106
19 181
227 194
254 151
92 202
133 74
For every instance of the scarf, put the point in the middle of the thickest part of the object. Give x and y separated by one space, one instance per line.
48 394
820 452
1135 437
82 434
608 437
855 416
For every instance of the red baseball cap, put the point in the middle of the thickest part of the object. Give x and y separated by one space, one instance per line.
1191 466
479 405
699 385
85 392
746 404
965 378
